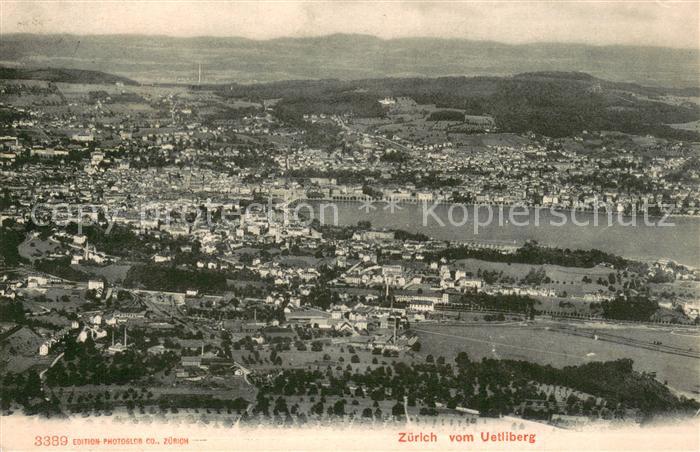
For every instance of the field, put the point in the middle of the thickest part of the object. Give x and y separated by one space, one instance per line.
567 279
690 289
693 126
82 89
555 272
339 355
58 297
548 343
34 248
114 273
20 350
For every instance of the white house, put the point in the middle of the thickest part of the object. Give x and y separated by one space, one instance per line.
96 284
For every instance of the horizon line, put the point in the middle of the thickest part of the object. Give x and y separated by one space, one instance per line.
365 35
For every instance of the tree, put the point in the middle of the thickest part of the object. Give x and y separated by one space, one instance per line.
32 387
462 360
280 406
535 277
339 407
317 408
378 394
263 404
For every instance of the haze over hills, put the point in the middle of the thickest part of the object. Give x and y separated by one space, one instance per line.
341 56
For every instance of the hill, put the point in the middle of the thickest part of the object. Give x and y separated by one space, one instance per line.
555 104
341 56
63 75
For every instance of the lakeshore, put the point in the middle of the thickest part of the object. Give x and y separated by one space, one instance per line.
679 242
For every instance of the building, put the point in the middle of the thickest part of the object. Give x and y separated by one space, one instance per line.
48 153
392 271
406 296
191 361
83 137
421 306
373 235
96 284
308 316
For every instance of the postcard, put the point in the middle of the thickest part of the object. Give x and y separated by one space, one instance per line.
349 225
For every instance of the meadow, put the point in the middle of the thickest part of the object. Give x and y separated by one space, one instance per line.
546 343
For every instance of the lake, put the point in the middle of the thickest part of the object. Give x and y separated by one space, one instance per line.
639 238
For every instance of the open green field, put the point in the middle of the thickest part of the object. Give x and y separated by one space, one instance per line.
339 356
547 343
555 272
83 89
114 273
564 279
68 298
687 289
34 248
693 126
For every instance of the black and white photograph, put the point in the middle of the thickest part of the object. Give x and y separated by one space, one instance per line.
349 225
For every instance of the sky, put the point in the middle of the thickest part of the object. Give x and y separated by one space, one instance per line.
664 23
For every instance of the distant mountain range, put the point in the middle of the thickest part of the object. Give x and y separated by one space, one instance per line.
345 57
